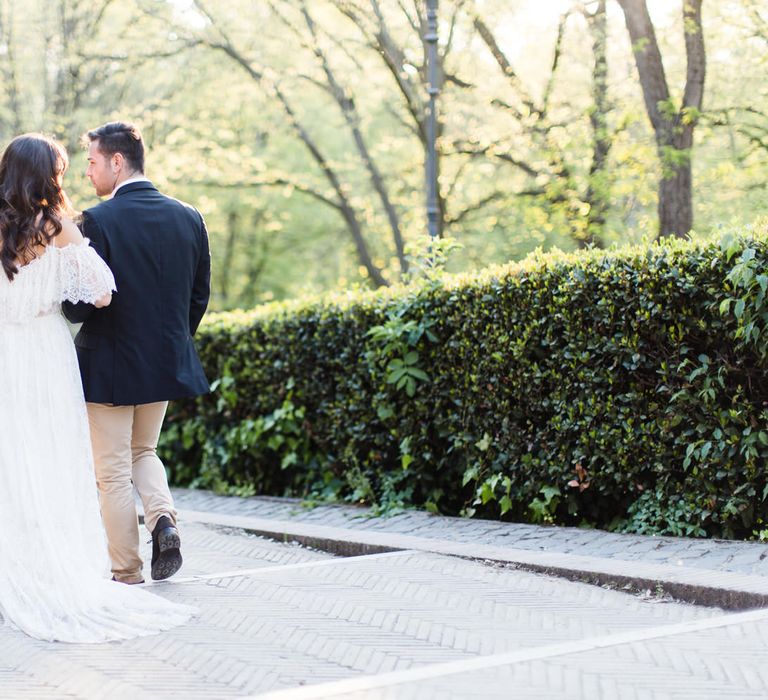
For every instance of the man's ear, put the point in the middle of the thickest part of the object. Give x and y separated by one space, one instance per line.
118 161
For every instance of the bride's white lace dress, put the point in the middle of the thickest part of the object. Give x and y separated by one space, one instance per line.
54 571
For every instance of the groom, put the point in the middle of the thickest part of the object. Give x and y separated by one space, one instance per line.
138 353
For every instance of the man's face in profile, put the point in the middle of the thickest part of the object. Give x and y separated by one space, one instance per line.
101 170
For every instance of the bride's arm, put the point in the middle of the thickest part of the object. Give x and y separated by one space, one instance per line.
91 274
70 234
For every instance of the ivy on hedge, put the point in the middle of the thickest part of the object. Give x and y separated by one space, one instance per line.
622 389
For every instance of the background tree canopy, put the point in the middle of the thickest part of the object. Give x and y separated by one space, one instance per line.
298 128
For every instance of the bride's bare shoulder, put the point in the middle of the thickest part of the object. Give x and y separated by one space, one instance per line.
69 233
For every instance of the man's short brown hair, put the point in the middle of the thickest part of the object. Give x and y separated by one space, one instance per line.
120 137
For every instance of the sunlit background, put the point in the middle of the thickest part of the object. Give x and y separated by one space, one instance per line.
275 118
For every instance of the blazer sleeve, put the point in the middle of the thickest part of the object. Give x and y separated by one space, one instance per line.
81 311
201 286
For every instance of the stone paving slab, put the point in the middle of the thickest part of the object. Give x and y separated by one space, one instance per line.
722 573
717 588
717 555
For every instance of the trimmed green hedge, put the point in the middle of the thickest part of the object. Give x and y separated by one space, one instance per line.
625 390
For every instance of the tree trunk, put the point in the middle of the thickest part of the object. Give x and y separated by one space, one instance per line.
672 127
675 202
229 254
597 196
375 29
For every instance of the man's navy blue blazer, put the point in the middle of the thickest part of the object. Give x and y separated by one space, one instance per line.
139 349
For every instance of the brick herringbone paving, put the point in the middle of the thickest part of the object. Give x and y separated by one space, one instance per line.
277 620
725 663
727 574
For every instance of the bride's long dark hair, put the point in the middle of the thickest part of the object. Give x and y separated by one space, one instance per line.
32 200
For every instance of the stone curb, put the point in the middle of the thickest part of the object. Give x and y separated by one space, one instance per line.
724 589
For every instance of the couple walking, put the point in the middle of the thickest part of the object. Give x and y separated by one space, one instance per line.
134 352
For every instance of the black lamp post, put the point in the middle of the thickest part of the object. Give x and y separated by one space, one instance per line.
432 76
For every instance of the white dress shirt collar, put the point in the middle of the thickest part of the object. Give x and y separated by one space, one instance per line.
138 178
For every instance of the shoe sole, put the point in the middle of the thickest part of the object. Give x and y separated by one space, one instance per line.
169 560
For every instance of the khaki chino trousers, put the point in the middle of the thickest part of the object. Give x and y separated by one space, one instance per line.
124 440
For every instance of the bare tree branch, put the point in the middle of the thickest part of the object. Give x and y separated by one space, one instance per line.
347 105
140 58
555 60
694 51
673 128
648 59
414 24
476 206
458 82
505 65
457 8
255 183
490 150
272 86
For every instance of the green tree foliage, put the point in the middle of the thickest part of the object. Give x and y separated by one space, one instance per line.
297 127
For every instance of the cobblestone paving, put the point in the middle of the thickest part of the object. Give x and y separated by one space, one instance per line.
718 555
278 620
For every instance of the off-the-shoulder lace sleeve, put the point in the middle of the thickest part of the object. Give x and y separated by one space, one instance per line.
83 275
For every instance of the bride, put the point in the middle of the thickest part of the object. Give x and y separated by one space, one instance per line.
53 555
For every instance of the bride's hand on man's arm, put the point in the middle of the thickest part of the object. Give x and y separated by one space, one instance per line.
106 300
